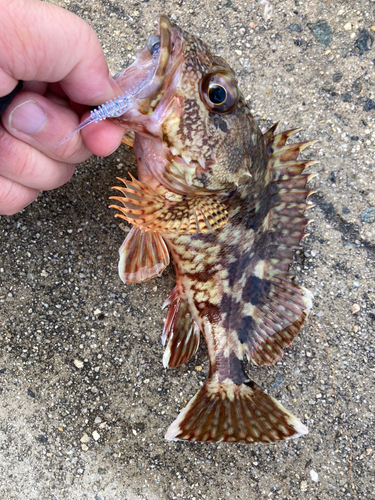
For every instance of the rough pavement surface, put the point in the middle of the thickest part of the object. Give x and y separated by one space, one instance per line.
85 400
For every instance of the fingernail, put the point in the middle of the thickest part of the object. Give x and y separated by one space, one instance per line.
28 118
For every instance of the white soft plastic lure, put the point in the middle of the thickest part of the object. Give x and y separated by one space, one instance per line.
117 106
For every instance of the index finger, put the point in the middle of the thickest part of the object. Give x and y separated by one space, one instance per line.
40 41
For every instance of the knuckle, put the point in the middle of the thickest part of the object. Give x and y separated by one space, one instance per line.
24 164
7 205
27 167
73 153
14 197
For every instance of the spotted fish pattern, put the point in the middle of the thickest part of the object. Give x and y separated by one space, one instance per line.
228 204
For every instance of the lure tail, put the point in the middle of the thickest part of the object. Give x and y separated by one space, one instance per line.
225 411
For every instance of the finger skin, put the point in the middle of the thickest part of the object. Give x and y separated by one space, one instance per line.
43 42
14 197
100 138
21 163
59 120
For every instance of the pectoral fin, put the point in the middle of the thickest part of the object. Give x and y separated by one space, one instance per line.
143 256
170 213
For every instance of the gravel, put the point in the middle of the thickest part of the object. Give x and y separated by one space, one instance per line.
61 304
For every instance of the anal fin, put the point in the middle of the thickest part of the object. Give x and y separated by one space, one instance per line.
143 255
181 332
242 413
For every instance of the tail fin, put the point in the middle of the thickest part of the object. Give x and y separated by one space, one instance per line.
225 411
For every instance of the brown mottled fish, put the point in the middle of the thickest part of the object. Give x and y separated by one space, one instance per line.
228 203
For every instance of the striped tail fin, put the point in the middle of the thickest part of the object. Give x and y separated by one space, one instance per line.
225 411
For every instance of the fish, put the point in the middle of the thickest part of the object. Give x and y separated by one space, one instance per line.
227 203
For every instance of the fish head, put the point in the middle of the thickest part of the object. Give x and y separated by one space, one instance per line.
192 124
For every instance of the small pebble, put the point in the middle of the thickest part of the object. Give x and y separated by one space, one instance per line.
30 393
96 435
368 215
322 32
279 379
84 447
97 420
303 485
85 438
364 41
295 27
78 363
355 308
356 87
289 67
369 105
198 368
314 476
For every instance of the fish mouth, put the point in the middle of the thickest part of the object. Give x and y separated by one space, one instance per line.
151 80
144 80
164 50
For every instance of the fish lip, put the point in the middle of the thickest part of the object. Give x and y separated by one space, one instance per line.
131 76
158 78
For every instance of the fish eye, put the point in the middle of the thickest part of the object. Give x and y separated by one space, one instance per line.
217 94
153 43
219 91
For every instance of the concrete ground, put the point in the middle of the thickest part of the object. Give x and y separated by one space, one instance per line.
85 400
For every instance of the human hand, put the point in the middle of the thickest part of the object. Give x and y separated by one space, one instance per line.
61 62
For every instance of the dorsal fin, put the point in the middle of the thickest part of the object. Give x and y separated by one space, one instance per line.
273 306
